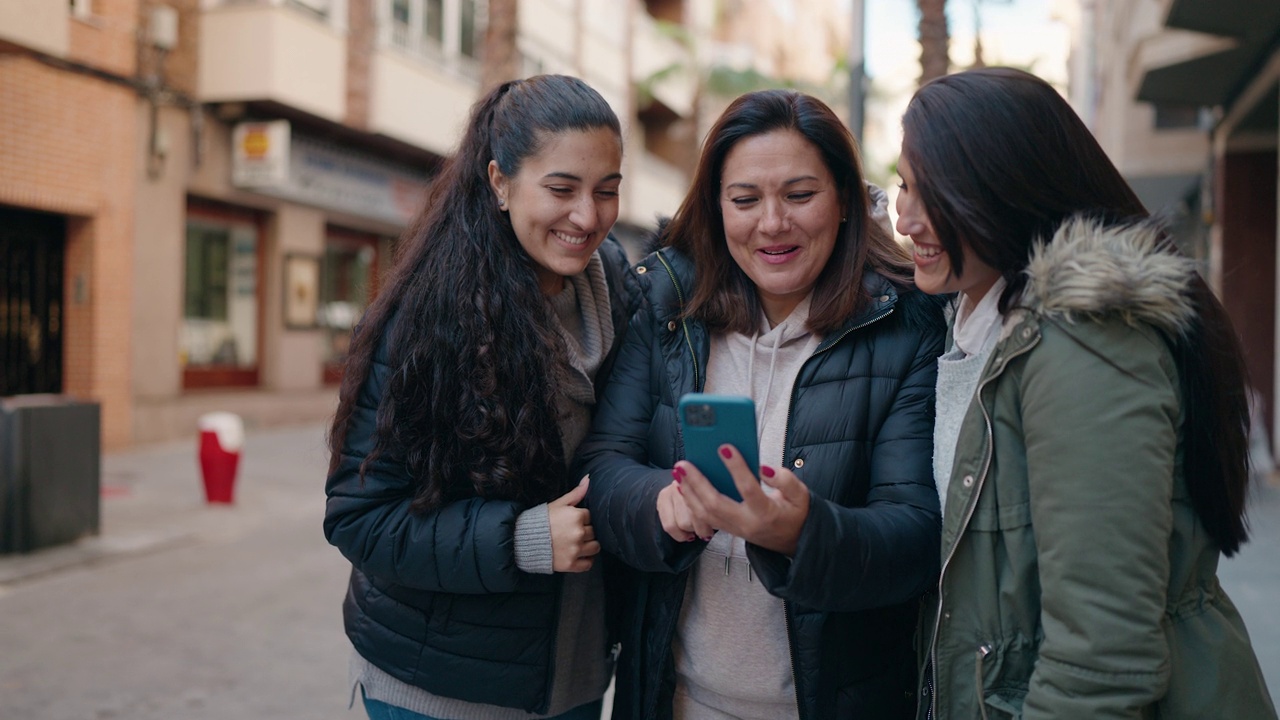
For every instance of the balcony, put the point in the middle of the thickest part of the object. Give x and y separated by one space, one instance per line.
653 189
267 50
662 65
37 24
419 103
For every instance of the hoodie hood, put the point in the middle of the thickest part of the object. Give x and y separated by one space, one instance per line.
1091 271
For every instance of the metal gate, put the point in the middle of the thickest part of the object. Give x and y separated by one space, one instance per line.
32 245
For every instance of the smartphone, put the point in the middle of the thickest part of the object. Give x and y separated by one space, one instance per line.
709 421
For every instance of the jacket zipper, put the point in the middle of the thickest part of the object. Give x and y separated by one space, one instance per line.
688 340
982 653
786 441
968 515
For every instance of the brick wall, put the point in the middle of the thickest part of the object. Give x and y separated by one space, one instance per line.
67 146
361 36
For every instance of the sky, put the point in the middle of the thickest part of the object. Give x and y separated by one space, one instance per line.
1013 29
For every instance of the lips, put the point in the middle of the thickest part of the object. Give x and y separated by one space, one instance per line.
778 254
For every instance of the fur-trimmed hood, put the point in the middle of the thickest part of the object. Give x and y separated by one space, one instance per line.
1089 270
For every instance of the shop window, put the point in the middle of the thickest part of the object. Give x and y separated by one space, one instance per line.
348 281
221 316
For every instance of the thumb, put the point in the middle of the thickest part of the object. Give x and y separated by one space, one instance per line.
576 495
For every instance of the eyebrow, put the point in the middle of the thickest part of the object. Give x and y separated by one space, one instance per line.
753 186
575 178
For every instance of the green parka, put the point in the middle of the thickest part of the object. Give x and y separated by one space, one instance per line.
1077 581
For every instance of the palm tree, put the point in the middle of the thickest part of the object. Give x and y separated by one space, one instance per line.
934 58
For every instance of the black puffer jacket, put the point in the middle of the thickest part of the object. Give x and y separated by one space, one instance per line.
859 435
436 600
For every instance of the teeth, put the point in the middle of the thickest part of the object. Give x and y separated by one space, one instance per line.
927 251
777 252
570 238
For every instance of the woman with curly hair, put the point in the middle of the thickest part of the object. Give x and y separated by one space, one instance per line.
470 382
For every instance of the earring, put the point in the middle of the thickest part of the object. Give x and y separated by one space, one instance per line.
502 204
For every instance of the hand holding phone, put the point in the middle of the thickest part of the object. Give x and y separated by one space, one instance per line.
708 421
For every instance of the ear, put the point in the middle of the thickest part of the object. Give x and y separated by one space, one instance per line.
498 182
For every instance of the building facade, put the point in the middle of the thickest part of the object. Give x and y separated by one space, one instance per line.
1185 96
197 197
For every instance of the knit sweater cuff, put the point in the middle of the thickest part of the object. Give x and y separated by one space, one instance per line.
533 541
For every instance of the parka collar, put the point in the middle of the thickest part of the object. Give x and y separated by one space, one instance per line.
1089 271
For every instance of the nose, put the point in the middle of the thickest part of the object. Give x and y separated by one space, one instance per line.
584 214
774 219
908 219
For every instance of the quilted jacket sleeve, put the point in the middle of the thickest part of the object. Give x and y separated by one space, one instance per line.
623 493
462 547
885 552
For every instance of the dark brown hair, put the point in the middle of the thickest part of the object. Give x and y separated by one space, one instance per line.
724 297
1000 161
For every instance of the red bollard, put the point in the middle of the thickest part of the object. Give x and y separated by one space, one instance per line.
221 437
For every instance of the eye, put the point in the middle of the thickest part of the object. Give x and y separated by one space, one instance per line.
560 189
607 194
801 196
902 186
743 201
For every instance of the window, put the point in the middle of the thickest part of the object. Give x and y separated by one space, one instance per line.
218 342
439 30
348 281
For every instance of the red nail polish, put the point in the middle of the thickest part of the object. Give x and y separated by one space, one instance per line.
766 471
679 472
675 474
726 453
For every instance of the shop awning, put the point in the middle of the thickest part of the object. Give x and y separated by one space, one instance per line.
1215 79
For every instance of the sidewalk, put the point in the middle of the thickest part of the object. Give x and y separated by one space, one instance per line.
153 499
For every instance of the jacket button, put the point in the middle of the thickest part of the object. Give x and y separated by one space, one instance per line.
884 298
642 270
671 326
967 481
1026 332
799 463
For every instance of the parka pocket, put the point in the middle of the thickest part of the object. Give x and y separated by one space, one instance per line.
1002 673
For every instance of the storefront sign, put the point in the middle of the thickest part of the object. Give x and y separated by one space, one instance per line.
324 175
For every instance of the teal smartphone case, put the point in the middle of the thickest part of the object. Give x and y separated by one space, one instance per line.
708 421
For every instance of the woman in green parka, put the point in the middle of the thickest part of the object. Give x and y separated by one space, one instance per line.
1090 446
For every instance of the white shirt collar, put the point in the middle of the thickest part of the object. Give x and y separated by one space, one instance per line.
975 322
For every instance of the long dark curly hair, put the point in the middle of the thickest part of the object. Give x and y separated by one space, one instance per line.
469 406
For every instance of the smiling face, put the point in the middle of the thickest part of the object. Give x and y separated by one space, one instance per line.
933 264
563 201
781 214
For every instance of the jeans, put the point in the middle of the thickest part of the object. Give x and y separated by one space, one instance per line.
378 710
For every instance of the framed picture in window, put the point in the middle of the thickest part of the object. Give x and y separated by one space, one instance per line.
301 291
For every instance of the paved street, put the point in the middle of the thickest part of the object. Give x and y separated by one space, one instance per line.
185 611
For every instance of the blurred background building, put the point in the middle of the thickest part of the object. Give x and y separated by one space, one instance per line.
197 197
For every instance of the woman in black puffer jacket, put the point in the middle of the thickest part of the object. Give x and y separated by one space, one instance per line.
470 381
778 282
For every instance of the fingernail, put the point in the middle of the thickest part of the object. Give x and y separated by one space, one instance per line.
675 474
706 539
679 488
726 453
766 471
680 471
